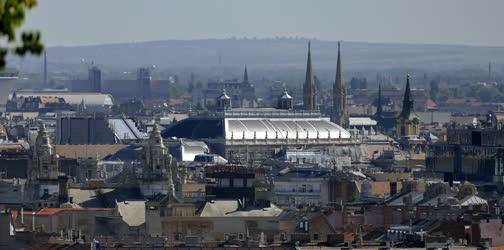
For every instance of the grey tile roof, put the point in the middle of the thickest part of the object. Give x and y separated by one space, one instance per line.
230 208
132 212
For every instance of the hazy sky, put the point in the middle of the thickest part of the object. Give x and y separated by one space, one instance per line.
80 22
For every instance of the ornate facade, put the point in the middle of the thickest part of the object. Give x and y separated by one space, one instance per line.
157 167
45 183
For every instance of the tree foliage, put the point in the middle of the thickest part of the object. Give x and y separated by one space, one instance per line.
12 16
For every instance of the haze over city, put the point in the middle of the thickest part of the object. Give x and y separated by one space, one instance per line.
232 124
77 22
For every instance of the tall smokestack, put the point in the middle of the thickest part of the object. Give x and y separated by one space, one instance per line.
45 69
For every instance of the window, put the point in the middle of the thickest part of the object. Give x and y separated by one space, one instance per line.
226 237
179 236
315 237
283 237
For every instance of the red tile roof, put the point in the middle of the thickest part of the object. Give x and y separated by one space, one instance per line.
53 211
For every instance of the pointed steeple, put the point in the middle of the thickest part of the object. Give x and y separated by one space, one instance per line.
245 75
379 108
309 88
407 107
340 114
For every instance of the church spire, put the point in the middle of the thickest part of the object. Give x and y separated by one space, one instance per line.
309 88
407 107
340 114
245 75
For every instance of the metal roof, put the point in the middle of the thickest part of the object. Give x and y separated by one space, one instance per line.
125 129
361 121
271 128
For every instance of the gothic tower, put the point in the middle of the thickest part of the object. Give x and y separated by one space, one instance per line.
407 123
309 88
407 105
340 113
245 75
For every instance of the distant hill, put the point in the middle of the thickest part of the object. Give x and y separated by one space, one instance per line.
279 54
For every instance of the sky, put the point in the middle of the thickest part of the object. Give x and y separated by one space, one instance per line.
88 22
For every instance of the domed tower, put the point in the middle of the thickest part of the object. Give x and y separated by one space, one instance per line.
223 101
44 181
157 166
285 100
156 156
